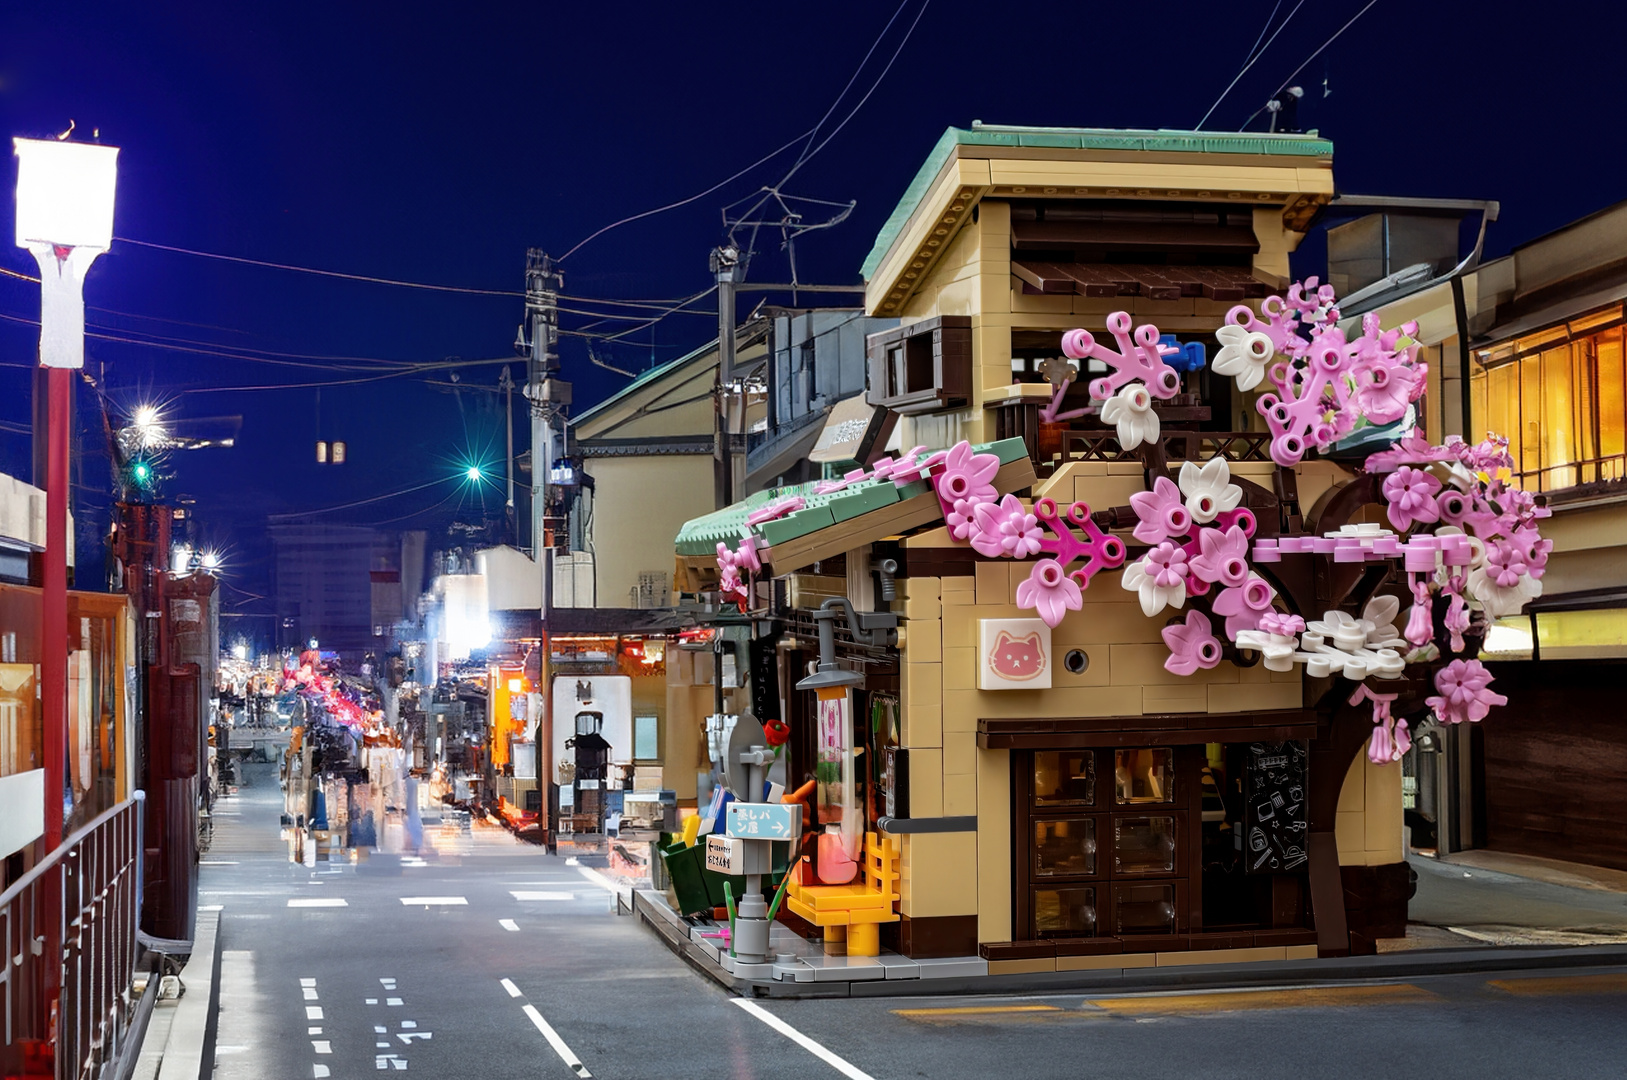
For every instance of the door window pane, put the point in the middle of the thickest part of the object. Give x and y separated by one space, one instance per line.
1143 776
1531 415
1144 845
1067 912
1557 417
1066 847
1065 777
1144 909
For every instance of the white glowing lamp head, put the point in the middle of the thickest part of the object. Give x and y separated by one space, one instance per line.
65 193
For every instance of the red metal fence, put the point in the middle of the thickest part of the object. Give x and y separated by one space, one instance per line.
68 929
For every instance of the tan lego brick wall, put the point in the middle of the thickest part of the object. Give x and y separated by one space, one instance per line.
950 776
1368 823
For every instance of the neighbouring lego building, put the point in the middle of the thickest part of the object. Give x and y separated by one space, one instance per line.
1536 338
1124 815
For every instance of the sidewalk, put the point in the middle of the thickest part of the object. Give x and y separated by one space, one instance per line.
1496 898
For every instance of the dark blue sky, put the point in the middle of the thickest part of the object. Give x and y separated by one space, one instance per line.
437 142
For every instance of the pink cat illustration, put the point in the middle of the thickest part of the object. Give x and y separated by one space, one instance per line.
1017 659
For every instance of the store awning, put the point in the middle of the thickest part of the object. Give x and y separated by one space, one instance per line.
1225 283
1587 625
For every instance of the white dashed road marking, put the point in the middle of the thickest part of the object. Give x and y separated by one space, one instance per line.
840 1064
523 895
319 901
509 925
432 900
513 991
557 1043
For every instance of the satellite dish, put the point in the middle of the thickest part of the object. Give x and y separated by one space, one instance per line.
747 733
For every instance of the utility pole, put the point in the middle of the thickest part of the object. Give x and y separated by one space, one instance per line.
727 267
506 384
546 394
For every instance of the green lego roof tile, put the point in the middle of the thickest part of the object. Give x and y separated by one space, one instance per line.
1203 142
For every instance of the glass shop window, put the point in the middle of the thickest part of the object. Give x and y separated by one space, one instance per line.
1144 845
1065 778
1065 848
1144 909
1067 912
1143 776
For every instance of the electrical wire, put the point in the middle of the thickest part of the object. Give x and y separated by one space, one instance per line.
850 81
425 510
873 86
683 202
358 502
1252 61
323 273
1313 56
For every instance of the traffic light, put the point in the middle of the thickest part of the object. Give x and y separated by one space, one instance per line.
140 476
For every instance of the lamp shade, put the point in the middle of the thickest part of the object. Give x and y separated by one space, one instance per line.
65 193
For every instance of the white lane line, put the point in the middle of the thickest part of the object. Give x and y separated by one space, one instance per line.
313 1031
394 1003
318 901
509 925
309 994
429 900
322 1046
215 862
211 907
557 1043
307 982
840 1064
313 1012
322 1072
523 895
513 991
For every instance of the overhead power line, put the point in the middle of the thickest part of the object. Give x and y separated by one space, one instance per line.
322 273
358 502
1252 61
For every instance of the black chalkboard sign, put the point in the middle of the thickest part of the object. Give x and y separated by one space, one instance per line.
1274 808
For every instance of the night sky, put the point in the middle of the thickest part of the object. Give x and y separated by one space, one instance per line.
436 143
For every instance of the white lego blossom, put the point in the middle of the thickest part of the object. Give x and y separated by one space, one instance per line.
1244 355
1130 411
1209 491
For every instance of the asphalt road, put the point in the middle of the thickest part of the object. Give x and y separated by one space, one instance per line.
487 958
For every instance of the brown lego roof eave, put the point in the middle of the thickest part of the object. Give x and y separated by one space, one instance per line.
1156 282
1175 729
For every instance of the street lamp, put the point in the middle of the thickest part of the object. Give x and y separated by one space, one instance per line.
65 219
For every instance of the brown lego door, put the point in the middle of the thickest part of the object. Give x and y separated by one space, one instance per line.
1104 844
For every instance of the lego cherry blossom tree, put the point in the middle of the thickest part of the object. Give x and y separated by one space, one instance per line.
1464 541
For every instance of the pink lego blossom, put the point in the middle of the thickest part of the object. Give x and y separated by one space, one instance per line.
1465 693
1535 549
1384 389
1411 494
1005 528
962 518
1281 624
1408 450
1223 558
1244 606
1421 620
776 510
1192 644
1138 358
1050 592
966 475
1162 512
1505 562
1457 612
1166 565
1403 741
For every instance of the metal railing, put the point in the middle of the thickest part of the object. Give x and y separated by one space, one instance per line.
1573 474
68 928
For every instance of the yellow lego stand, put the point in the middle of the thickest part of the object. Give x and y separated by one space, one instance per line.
857 910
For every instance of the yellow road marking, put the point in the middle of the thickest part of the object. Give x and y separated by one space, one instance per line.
971 1010
1310 997
1564 984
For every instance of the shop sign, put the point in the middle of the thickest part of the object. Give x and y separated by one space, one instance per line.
1014 654
725 855
763 821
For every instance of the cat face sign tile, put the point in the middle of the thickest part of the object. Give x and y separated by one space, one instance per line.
1014 654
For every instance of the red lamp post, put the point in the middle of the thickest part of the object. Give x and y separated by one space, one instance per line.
65 218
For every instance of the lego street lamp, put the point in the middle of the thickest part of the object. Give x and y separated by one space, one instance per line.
65 219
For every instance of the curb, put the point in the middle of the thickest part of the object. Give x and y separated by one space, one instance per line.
179 1043
1383 967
